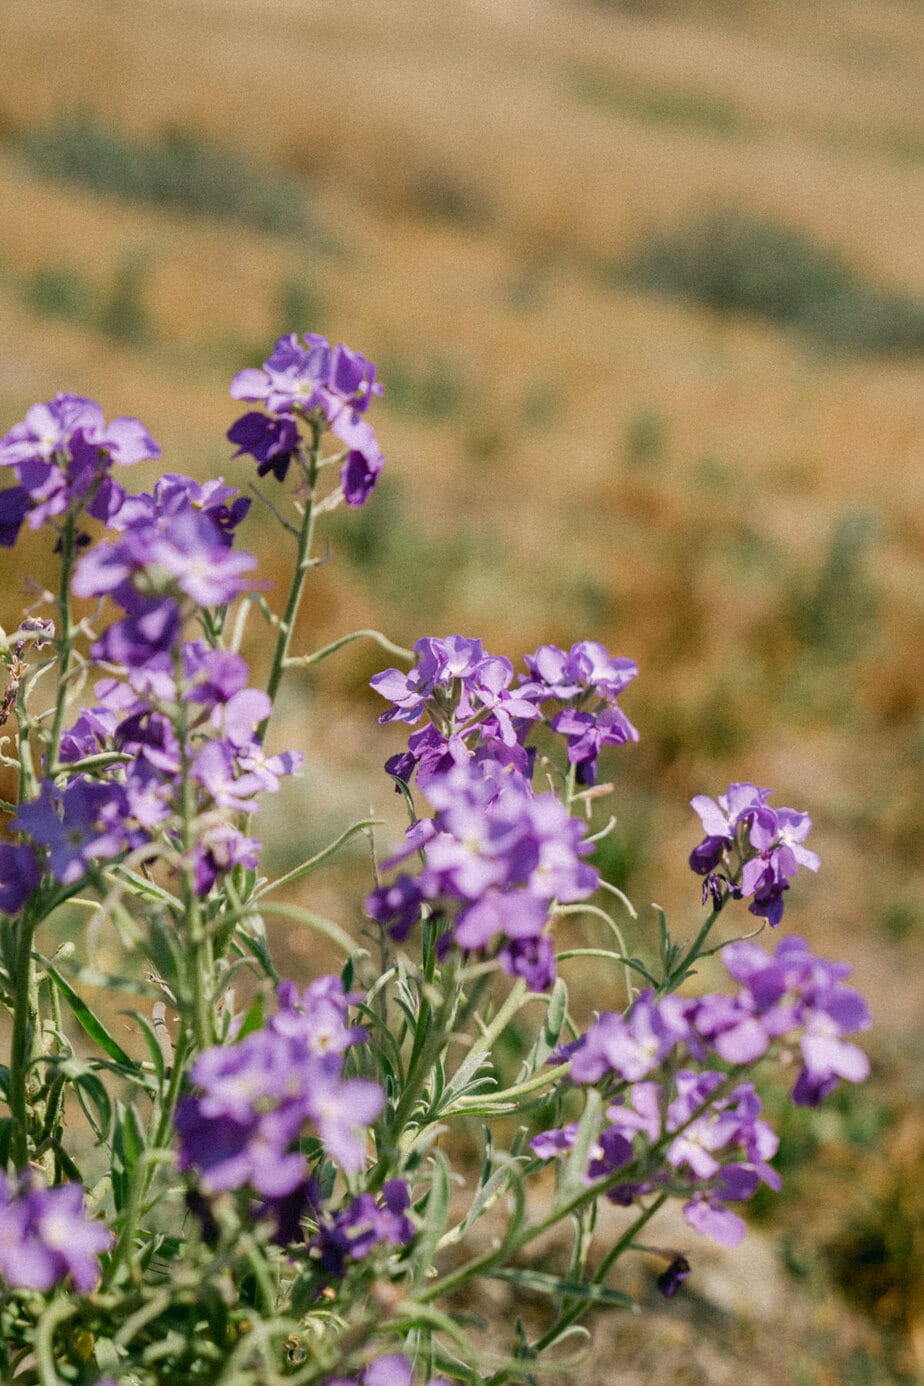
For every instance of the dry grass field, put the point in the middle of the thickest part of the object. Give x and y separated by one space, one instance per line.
720 487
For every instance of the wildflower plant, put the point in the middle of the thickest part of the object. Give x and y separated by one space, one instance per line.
264 1191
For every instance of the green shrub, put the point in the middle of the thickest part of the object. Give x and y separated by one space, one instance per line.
687 108
173 169
439 195
298 306
123 315
646 437
432 390
59 291
734 262
835 615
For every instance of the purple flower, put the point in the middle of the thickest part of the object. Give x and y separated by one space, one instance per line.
305 378
767 842
46 1237
220 847
61 453
396 907
795 993
496 859
631 1047
253 1100
78 825
173 493
19 875
352 1233
291 378
587 733
273 442
391 1370
15 502
164 562
317 1016
360 472
587 667
707 1215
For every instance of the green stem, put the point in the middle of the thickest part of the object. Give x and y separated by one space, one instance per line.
302 564
302 661
23 1040
199 947
65 636
575 1310
58 1312
672 982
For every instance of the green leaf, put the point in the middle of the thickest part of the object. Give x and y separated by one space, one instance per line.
559 1287
549 1035
165 953
147 889
253 1019
149 1035
435 1214
319 858
638 966
572 1180
128 1144
89 1022
92 1096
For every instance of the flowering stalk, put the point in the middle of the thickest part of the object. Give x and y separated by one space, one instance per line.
282 1210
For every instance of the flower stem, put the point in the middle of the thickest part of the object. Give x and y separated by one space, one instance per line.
302 564
65 641
23 1040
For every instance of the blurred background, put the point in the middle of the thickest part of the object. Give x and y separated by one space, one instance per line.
644 280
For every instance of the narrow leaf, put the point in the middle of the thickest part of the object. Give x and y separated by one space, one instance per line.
89 1022
560 1287
575 1168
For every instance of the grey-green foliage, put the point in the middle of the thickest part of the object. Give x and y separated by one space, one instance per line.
736 262
174 168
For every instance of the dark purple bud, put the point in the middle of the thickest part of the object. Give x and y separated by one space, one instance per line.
14 502
708 854
670 1280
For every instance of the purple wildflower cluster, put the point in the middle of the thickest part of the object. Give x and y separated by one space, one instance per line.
173 557
472 710
256 1099
497 855
331 387
46 1237
496 858
183 711
62 455
365 1223
154 731
391 1370
759 849
698 1133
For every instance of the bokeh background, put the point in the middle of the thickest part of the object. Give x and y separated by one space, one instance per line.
645 283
